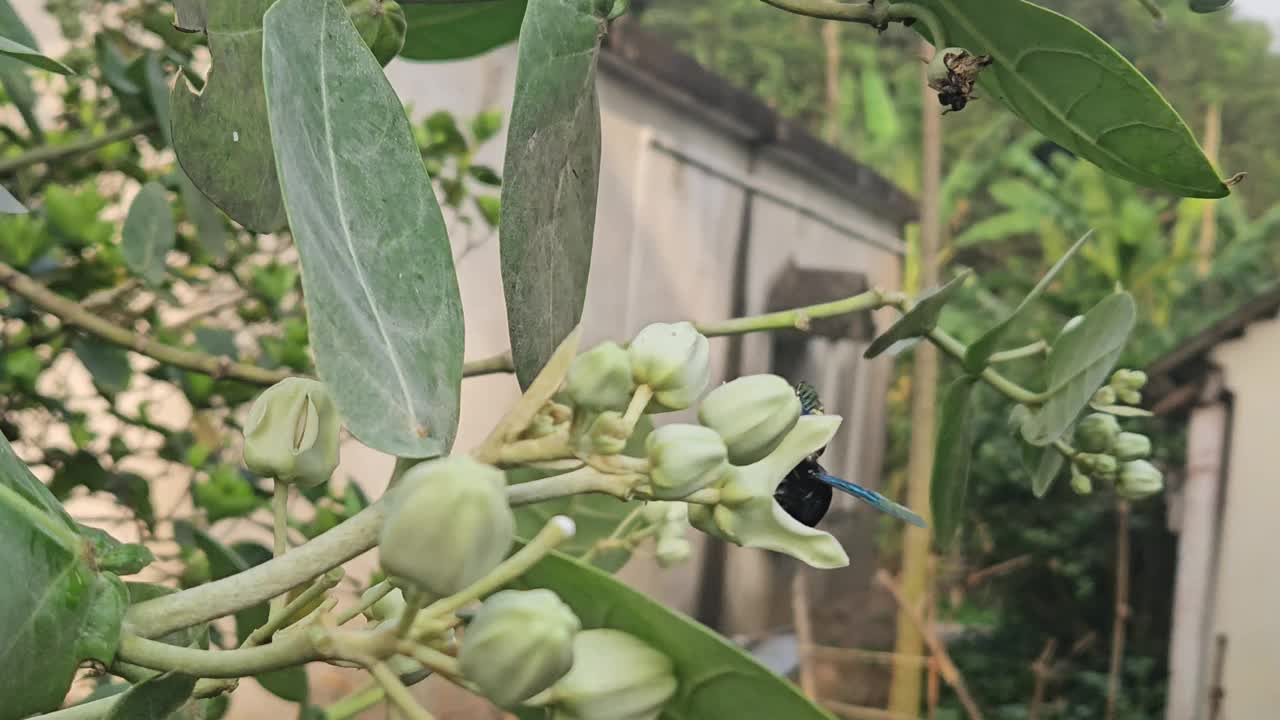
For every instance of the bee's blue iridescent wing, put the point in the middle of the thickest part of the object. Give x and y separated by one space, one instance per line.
874 499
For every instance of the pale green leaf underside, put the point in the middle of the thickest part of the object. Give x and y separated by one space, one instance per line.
1077 90
953 451
32 57
377 272
550 179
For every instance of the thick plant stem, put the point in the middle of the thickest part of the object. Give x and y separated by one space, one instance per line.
1039 347
74 314
56 153
294 650
1002 384
280 538
323 584
877 16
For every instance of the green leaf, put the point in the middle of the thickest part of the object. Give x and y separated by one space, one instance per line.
920 319
717 679
551 176
1079 364
157 698
445 31
975 359
114 68
486 124
288 683
225 494
382 298
883 123
32 57
952 453
114 556
108 364
1045 465
220 134
56 611
13 76
9 204
148 233
1079 92
1001 226
595 516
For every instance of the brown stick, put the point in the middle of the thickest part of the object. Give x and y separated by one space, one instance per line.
1042 668
1121 607
72 313
871 657
804 632
950 673
858 712
55 153
1001 568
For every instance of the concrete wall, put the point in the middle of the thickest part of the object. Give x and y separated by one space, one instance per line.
1247 587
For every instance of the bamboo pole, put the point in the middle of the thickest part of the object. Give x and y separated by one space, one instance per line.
1121 608
905 690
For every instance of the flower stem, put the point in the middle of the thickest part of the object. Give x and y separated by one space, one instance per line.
556 531
583 480
1002 384
1038 347
621 528
356 703
280 539
639 401
323 584
294 650
397 693
800 318
431 658
367 600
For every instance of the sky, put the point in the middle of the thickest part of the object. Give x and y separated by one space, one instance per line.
1261 9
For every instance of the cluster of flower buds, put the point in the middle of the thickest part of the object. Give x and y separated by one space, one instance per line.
1125 388
292 433
1108 454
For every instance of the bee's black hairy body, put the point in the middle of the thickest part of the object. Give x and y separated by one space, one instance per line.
803 495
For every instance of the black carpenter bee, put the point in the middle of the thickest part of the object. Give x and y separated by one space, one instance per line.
955 80
805 493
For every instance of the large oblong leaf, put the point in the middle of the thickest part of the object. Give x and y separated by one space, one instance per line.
148 233
717 680
976 357
55 609
550 178
32 57
377 273
919 319
220 134
1080 92
452 31
953 451
1079 364
156 698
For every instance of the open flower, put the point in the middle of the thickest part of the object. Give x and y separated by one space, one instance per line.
747 513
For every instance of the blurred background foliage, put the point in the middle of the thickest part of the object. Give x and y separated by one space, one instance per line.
1012 203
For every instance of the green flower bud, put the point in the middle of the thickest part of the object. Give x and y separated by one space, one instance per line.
1128 379
600 379
673 550
292 433
448 526
547 420
1139 479
1129 397
673 359
1132 446
390 607
1097 465
664 512
1070 326
519 643
196 568
1080 482
608 434
684 459
614 677
1105 395
1097 432
753 414
382 26
1019 416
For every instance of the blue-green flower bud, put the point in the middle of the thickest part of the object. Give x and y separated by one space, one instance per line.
753 414
1129 397
1128 379
673 359
600 379
1097 432
448 525
1139 479
381 24
615 676
684 459
292 433
519 643
1132 446
1104 396
389 607
547 420
671 550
